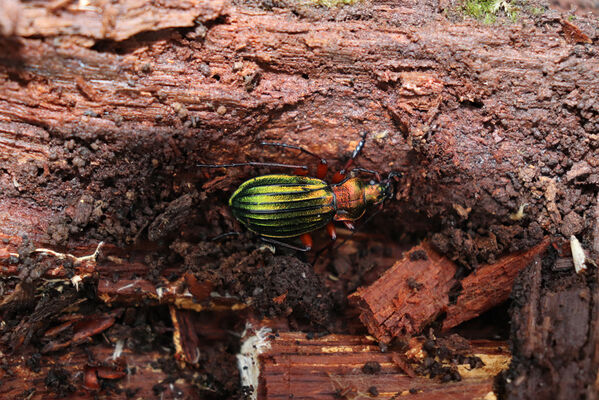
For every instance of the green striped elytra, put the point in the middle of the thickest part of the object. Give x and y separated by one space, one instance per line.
282 206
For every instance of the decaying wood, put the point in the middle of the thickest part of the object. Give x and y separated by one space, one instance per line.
354 367
489 286
408 296
478 122
555 331
78 373
100 20
107 107
417 289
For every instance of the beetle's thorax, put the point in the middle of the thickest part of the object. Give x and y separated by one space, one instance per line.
353 196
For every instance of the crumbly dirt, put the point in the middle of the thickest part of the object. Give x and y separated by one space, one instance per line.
494 155
443 355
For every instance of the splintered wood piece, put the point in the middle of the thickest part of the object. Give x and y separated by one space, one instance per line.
408 296
116 21
135 291
489 286
185 338
573 33
83 329
353 367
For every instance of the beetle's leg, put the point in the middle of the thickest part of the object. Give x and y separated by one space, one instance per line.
322 166
339 176
331 231
368 171
222 235
289 246
349 225
255 164
306 240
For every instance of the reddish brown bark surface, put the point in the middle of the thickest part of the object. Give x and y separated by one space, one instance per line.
352 367
475 116
107 108
553 305
408 296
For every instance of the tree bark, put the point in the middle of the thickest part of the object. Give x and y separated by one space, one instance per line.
352 367
553 305
106 109
482 120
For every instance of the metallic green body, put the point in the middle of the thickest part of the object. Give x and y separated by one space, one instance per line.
283 206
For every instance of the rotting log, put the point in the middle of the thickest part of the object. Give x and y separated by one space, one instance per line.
352 367
482 120
105 109
419 288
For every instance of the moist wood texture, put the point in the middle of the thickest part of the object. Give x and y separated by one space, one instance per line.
408 296
420 287
106 108
554 305
351 367
75 375
489 286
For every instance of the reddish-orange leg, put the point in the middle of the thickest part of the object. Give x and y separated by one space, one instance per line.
331 231
306 241
340 176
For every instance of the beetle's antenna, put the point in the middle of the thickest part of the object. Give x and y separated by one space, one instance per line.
253 164
292 146
289 246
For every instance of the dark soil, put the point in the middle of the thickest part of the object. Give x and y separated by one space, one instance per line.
494 156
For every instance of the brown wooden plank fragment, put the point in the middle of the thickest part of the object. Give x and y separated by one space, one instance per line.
332 367
408 296
140 290
489 286
185 338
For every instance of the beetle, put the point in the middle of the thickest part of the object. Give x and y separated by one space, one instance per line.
283 206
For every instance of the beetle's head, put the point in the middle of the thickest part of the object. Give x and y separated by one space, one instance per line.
388 185
378 192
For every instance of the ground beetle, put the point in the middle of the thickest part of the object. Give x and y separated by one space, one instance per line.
282 206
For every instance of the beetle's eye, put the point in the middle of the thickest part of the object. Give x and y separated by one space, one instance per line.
372 182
